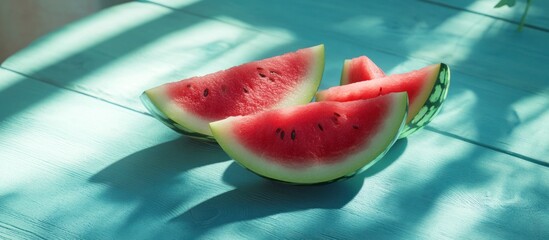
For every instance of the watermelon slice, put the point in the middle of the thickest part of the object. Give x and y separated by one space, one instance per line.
189 105
314 143
359 69
427 89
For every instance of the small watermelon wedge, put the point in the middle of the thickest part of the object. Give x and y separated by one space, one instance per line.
189 105
427 89
359 69
314 143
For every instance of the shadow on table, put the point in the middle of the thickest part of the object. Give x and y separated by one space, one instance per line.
256 197
153 170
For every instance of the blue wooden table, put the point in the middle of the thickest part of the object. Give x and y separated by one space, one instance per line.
80 158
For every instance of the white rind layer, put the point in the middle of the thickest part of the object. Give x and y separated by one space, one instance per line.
305 91
395 121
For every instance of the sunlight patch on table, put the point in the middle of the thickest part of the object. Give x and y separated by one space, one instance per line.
71 39
8 79
531 108
374 25
451 220
71 134
507 188
533 115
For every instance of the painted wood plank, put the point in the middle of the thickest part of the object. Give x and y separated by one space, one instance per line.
72 166
478 45
56 149
537 17
496 116
120 62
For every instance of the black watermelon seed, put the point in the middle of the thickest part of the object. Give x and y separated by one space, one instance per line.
262 75
206 92
355 126
245 90
380 90
259 69
293 135
278 130
320 127
271 79
188 85
337 114
282 135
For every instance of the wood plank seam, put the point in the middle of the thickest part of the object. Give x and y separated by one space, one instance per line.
487 146
73 90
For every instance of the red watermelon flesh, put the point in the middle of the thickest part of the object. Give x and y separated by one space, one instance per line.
317 142
359 69
190 105
426 88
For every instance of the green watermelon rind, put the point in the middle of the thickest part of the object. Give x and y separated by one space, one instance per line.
432 104
344 79
159 115
182 121
357 162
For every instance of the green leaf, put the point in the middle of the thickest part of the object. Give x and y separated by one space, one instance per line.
502 3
